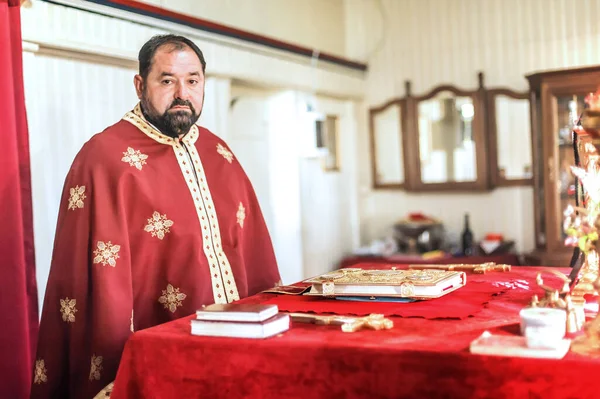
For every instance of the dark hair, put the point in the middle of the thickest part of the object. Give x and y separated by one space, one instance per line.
146 54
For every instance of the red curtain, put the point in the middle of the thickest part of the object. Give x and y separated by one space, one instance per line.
18 291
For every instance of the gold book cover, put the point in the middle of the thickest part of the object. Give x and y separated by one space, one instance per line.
416 284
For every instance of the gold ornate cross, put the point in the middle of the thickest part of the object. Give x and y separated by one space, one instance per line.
481 268
349 324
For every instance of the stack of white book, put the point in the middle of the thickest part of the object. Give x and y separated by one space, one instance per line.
240 321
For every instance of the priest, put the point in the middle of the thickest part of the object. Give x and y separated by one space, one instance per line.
157 218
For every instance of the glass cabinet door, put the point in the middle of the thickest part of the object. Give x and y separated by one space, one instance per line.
567 111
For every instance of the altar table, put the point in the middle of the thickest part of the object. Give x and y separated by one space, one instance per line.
418 358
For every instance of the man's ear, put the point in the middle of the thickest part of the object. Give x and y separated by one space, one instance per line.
138 82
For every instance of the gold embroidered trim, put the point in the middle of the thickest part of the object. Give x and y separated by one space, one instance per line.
95 367
134 158
158 225
136 118
241 215
221 273
131 322
76 197
225 152
171 298
68 309
40 372
223 282
106 253
105 392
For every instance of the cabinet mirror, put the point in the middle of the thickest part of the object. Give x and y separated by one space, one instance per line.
386 131
510 137
450 140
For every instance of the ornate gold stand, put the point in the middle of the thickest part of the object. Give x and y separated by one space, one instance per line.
588 281
582 220
587 277
589 344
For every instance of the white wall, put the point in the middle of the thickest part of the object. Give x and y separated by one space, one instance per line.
431 42
330 227
317 24
67 102
58 27
311 213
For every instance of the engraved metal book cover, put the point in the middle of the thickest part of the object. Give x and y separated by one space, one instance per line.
417 284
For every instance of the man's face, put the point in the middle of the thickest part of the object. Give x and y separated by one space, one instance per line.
172 95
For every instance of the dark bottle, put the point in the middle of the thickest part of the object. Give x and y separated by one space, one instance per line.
467 238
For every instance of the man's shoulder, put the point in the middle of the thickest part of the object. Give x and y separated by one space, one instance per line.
100 145
208 137
114 134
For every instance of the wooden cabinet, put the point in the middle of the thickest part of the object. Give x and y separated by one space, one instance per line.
557 101
452 139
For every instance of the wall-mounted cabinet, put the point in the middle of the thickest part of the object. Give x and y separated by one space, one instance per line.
452 139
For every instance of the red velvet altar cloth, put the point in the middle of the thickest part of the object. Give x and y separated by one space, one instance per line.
418 358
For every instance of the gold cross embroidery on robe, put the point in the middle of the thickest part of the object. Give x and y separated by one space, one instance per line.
106 253
68 309
95 367
171 298
158 225
241 215
40 372
134 158
76 197
225 152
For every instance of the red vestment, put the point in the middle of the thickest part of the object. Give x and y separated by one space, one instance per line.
150 229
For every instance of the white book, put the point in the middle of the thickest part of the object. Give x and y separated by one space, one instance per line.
237 312
268 328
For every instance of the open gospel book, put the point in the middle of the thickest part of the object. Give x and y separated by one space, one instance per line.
415 284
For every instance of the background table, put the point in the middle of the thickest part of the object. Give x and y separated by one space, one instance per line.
418 358
508 259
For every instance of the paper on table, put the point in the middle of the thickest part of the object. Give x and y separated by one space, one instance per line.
516 346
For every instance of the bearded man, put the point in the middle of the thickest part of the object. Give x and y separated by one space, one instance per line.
157 218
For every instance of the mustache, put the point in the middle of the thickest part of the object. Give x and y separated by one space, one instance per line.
184 103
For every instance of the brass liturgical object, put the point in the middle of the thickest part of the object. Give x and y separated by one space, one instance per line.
560 299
